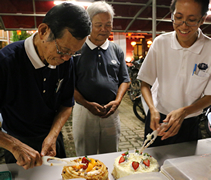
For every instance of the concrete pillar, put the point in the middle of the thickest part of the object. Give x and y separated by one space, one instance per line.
154 16
120 39
8 37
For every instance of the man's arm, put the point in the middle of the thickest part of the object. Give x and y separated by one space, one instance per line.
49 144
202 103
112 106
154 114
25 155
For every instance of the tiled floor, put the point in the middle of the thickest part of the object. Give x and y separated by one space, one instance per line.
132 131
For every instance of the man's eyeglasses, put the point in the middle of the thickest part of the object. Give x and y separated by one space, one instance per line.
65 54
189 22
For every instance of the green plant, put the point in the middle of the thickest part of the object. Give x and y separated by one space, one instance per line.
16 37
136 58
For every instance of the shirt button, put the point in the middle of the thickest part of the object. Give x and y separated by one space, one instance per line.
99 63
98 48
99 55
44 79
43 91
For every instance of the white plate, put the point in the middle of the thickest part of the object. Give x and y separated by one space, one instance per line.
145 176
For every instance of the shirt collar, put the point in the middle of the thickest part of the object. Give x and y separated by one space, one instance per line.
32 54
93 46
195 48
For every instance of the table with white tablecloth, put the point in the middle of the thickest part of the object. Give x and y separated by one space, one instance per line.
160 153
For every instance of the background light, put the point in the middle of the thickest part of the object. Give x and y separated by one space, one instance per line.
18 32
128 59
133 43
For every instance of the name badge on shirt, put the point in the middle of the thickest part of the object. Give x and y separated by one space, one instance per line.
114 61
58 84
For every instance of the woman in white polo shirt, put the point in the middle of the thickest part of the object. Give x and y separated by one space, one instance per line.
178 67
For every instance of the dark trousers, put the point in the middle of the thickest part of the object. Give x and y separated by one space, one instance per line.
189 131
36 143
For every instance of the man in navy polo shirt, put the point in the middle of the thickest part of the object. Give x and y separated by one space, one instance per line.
37 86
101 82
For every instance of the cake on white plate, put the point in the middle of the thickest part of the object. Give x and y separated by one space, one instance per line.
132 163
91 169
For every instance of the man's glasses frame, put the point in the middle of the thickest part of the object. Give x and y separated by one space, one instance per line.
64 54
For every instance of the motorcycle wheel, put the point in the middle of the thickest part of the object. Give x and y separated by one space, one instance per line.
208 127
138 110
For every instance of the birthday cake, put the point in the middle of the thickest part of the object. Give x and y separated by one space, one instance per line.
87 168
132 163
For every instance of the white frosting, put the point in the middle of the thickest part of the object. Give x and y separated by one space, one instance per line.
95 172
125 168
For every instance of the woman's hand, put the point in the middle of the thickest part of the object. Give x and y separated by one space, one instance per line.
174 121
155 118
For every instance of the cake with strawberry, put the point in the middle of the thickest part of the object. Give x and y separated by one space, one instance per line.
132 163
87 168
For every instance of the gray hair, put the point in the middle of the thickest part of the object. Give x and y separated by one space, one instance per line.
100 7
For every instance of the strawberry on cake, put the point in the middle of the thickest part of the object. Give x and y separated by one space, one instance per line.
132 163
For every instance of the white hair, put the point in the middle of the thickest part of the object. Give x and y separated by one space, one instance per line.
100 7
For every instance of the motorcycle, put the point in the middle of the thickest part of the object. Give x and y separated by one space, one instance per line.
133 69
206 117
140 108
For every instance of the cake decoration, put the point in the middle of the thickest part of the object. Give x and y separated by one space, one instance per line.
137 162
88 168
134 163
